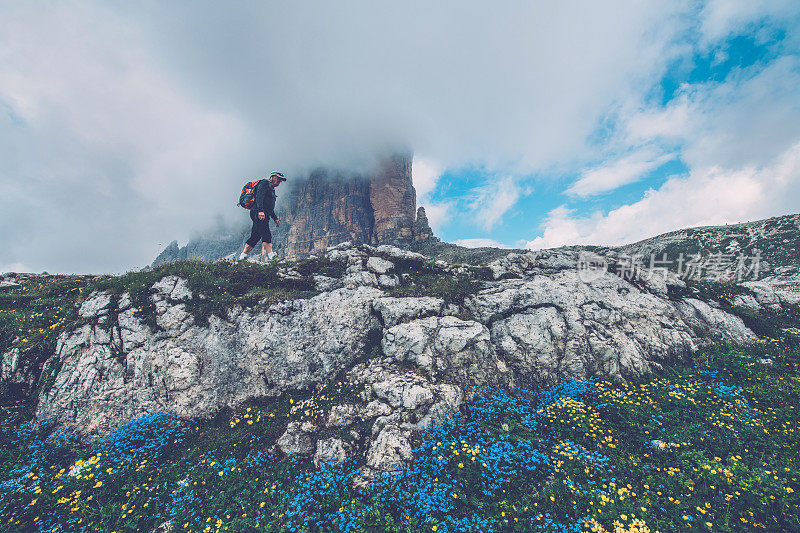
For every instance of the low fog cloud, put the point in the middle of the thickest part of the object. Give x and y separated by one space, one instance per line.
126 125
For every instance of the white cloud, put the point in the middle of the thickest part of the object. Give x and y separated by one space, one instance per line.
115 148
739 137
748 119
151 117
425 175
479 243
561 229
494 199
720 18
668 123
706 197
616 173
498 85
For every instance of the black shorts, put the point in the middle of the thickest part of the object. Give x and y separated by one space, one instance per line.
260 229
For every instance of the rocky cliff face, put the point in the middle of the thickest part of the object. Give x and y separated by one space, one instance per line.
402 360
327 208
393 201
322 210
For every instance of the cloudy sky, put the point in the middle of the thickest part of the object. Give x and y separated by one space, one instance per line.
126 125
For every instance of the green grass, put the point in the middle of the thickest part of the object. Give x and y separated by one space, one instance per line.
427 279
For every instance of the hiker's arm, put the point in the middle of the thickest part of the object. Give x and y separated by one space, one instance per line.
269 207
261 193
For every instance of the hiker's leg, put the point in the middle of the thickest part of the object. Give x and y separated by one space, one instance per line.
266 237
255 234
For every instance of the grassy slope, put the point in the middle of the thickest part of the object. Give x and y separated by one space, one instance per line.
571 458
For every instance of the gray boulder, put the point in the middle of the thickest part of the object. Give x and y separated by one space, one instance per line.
298 439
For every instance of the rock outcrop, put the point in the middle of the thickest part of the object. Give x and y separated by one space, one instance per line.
328 208
422 230
393 201
406 362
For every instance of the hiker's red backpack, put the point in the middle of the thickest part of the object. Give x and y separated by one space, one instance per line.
248 196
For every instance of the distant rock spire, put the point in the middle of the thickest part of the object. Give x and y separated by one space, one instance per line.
422 231
171 253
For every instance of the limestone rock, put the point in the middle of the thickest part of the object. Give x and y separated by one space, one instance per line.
764 294
422 230
746 301
297 439
124 301
96 304
388 281
328 450
173 287
714 323
14 371
557 324
660 445
194 371
346 254
326 283
393 200
375 408
448 349
289 273
512 265
400 254
406 391
342 415
390 450
394 310
360 278
379 266
409 363
164 527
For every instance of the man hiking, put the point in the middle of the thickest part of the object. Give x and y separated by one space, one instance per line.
263 207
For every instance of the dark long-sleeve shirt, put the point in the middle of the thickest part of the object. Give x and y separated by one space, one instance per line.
265 199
